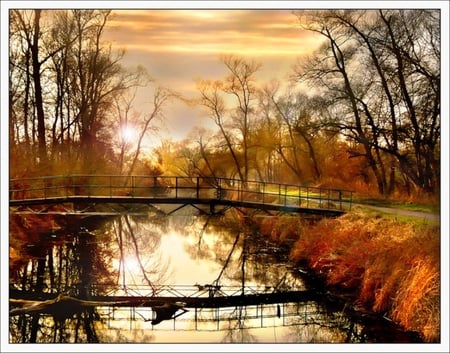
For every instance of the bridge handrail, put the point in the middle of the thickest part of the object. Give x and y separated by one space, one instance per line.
150 186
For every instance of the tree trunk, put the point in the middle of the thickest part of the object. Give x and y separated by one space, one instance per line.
38 101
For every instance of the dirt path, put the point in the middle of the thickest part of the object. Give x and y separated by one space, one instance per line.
418 214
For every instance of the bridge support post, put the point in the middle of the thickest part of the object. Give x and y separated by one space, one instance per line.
198 187
195 318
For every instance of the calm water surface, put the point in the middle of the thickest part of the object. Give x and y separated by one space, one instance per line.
183 256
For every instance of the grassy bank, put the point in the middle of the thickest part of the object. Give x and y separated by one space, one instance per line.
388 266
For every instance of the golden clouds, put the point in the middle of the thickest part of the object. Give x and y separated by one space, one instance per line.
243 32
179 46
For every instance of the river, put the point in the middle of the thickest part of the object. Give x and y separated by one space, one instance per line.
223 283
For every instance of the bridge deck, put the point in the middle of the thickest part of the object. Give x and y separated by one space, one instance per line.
95 189
212 203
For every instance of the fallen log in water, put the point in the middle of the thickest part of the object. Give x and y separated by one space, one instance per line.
62 305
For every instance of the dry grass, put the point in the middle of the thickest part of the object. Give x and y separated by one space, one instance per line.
391 267
281 229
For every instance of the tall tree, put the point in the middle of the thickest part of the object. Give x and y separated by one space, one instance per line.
240 85
29 26
382 75
160 98
38 101
97 75
230 103
64 79
212 100
63 32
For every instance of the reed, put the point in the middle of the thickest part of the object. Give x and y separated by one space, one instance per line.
389 266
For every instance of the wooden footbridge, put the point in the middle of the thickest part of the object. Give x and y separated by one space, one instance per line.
116 194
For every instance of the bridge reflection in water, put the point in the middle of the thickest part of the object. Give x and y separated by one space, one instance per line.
219 308
76 194
185 308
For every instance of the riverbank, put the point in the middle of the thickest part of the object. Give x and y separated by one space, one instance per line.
385 265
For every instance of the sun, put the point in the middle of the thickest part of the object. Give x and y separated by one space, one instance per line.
128 133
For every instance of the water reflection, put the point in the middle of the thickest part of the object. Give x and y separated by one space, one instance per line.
174 279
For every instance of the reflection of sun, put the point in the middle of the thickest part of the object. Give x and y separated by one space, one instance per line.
131 265
128 133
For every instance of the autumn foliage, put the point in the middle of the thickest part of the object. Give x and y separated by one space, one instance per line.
389 267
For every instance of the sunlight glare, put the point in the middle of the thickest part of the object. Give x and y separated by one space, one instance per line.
128 133
131 264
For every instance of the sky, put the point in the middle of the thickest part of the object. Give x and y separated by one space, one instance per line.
182 45
178 42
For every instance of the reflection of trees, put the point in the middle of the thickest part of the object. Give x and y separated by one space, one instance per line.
55 321
237 332
228 258
245 255
220 239
332 320
321 327
60 264
140 241
79 263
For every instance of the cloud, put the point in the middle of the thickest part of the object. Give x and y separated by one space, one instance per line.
179 46
248 32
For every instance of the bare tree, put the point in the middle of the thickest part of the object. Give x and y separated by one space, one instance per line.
233 121
160 98
123 104
240 84
213 101
64 81
297 116
382 75
30 28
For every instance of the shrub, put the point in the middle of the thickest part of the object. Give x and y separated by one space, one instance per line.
391 267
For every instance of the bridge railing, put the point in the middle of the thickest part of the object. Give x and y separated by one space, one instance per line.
176 187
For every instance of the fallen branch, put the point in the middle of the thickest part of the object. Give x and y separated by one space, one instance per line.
62 305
